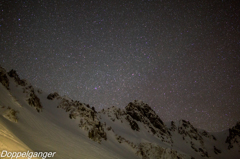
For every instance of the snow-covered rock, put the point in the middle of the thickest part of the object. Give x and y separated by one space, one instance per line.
10 114
32 98
30 95
142 112
87 116
154 151
188 131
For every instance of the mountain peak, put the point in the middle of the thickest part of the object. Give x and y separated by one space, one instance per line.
234 136
14 74
138 110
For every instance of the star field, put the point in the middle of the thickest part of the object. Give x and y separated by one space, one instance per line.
182 58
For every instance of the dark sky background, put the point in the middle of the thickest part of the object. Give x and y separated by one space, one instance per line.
181 57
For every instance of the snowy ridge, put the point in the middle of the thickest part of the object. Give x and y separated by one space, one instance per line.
31 119
86 115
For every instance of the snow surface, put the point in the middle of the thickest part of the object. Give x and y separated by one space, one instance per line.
50 130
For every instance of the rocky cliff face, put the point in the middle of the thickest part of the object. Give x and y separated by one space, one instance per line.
27 88
138 112
142 112
86 115
32 98
234 136
14 75
3 78
115 113
188 131
192 135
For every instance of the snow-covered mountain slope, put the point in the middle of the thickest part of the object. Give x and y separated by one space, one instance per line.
49 128
31 119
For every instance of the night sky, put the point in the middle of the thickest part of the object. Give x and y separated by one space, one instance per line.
181 57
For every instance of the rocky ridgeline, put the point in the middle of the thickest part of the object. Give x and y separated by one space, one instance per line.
115 113
86 115
137 112
121 139
142 112
150 150
192 135
206 134
234 136
31 97
14 75
173 126
187 130
3 78
53 96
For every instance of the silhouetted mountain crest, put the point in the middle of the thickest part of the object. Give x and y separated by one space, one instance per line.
137 125
3 78
14 75
234 136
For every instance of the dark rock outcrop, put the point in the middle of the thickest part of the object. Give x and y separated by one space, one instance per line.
234 136
216 151
150 150
193 147
132 123
173 126
14 75
115 113
11 114
187 130
32 98
203 153
206 134
87 116
3 78
34 101
52 96
143 113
